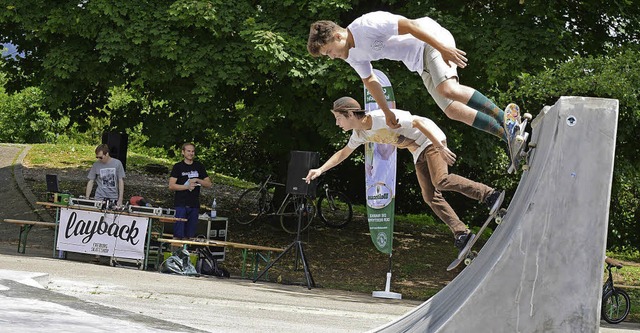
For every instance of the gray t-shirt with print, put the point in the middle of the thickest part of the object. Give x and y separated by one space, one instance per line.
106 176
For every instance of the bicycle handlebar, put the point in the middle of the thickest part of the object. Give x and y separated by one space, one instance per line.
267 181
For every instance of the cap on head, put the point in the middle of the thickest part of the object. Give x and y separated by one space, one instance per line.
346 103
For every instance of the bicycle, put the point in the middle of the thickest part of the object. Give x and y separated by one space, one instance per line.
257 202
334 207
615 302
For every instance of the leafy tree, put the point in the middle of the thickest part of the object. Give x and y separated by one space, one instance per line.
235 77
609 76
22 118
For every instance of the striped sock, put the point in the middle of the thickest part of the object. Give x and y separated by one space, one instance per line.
480 102
486 123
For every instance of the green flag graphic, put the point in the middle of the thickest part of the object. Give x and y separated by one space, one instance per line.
380 173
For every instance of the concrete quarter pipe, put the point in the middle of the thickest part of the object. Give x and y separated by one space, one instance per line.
541 270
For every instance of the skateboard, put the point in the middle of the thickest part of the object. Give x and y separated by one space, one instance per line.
515 127
466 255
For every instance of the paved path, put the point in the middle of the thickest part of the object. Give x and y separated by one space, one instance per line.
14 205
95 295
41 294
17 202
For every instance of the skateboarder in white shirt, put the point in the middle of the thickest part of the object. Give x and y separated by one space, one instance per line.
427 143
424 47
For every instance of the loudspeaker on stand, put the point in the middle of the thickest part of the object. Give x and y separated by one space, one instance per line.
299 164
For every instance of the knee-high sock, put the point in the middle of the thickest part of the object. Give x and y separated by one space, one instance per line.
488 124
480 102
490 118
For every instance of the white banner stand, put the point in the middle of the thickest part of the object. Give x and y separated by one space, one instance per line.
387 293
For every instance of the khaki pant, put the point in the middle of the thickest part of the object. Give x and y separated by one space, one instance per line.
435 70
434 178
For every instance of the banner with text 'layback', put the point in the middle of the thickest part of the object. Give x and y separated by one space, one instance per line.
100 233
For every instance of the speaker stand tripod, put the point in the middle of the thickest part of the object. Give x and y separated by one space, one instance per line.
297 247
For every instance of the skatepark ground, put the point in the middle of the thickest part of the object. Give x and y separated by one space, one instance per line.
41 294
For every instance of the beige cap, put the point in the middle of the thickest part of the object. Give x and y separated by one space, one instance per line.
346 104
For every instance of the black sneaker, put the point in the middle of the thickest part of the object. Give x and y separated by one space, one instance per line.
462 240
494 201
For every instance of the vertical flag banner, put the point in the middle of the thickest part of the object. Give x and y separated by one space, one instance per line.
380 173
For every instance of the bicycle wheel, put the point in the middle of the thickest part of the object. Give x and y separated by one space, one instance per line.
615 306
250 205
335 209
290 213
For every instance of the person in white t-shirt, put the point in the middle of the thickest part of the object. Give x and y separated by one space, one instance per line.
424 46
428 145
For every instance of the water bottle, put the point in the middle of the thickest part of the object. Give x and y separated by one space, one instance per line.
213 208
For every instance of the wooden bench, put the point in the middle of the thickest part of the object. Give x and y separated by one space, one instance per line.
257 250
25 227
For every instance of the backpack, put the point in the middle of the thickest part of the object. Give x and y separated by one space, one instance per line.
208 265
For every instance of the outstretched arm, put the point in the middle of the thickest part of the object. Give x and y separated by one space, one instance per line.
427 129
334 160
450 54
375 89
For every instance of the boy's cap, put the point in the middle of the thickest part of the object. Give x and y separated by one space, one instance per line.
346 104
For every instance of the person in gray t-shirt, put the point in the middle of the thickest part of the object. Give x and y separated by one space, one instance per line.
109 175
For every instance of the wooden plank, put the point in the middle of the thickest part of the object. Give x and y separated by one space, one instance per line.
25 222
221 243
161 218
252 247
156 234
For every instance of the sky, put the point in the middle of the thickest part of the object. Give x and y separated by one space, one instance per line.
9 50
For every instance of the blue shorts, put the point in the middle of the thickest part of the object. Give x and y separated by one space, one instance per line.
186 229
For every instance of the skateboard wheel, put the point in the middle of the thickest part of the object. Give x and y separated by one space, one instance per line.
498 219
472 255
527 116
525 167
532 144
519 138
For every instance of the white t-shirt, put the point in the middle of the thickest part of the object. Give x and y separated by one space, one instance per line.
406 136
376 37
